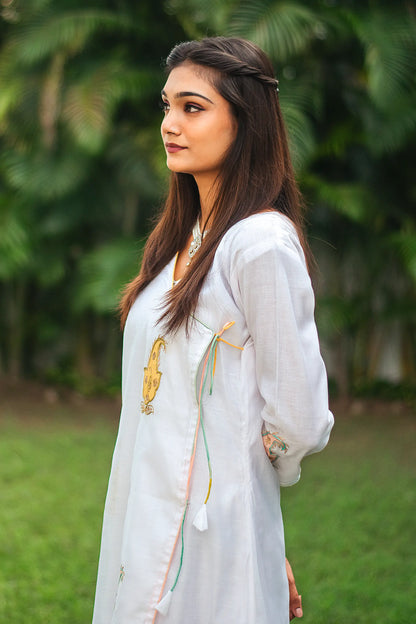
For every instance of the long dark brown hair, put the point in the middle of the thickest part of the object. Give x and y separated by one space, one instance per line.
256 173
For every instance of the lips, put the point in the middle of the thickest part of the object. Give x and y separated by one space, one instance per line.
172 148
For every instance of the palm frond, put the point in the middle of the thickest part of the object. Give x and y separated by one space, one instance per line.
389 40
14 241
200 18
282 29
136 162
42 174
49 32
300 133
103 273
10 94
353 200
90 102
389 131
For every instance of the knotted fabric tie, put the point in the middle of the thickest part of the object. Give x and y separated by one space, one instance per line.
201 519
208 373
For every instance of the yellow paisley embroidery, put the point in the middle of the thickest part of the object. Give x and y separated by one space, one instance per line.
152 375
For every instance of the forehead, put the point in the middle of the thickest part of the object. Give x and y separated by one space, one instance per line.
191 77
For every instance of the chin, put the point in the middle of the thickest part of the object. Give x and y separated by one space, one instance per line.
177 169
174 167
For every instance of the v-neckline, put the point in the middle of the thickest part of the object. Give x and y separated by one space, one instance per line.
173 281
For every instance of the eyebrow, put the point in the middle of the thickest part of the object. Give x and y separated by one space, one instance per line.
182 94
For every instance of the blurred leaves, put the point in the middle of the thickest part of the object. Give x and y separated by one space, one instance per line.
14 244
42 174
82 170
282 29
352 200
389 40
103 271
405 244
79 172
42 33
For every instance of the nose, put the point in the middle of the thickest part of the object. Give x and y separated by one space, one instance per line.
170 123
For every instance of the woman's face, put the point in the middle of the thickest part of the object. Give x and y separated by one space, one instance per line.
198 125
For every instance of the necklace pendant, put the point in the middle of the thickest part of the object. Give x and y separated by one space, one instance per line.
195 245
196 242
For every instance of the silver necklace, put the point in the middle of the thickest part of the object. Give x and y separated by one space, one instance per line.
196 241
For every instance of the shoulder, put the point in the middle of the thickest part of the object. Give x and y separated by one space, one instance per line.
258 235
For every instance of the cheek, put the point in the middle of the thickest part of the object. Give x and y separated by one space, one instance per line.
228 131
232 133
227 135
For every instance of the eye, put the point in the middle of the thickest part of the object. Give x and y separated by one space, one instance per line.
192 108
164 105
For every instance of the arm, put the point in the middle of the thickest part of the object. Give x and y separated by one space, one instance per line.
274 291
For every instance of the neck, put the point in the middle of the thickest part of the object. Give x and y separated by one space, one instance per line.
206 187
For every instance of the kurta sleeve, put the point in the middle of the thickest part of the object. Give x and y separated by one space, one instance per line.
272 286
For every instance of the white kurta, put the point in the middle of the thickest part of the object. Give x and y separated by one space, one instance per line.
234 571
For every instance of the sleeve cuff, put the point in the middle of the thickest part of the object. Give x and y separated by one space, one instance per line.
288 473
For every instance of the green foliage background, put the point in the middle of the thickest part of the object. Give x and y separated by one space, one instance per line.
82 170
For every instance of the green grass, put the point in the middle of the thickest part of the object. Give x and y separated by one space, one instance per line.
53 483
349 522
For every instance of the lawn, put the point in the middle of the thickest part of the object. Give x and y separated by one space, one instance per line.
54 467
349 522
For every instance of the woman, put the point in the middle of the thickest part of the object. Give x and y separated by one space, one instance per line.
224 389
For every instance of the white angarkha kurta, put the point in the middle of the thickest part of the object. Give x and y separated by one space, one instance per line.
269 373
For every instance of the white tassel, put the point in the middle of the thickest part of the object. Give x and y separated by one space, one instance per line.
164 604
201 519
